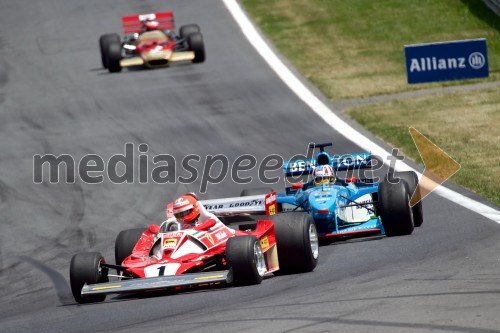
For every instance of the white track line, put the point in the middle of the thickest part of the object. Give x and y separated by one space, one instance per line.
322 110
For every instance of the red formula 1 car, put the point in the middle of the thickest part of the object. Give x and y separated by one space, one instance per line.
150 41
169 257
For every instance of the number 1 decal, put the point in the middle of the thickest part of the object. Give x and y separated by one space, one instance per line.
161 271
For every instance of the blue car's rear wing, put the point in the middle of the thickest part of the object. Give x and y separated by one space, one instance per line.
338 162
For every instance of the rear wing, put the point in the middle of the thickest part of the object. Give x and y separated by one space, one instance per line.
249 205
338 163
132 23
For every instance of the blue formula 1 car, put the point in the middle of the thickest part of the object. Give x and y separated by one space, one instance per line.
349 207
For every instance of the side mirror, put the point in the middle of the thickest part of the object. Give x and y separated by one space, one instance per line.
154 229
350 180
205 225
296 186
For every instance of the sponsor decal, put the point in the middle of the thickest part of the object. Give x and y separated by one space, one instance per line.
433 63
144 17
213 207
209 237
220 235
271 199
264 243
452 60
246 203
208 277
107 287
169 242
173 234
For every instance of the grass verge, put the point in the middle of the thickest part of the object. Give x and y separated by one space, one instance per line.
352 49
470 134
355 48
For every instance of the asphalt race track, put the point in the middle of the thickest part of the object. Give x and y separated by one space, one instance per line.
55 98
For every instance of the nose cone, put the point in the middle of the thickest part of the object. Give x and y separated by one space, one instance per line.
323 199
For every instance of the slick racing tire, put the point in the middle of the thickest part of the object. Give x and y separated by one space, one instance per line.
104 42
114 55
188 29
244 256
125 243
85 268
394 208
256 191
297 242
196 44
411 178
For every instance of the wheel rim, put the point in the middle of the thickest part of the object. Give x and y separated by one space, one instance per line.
260 262
313 239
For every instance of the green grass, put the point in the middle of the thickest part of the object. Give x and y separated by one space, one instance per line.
471 137
355 48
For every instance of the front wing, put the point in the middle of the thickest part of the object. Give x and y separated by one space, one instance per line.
158 283
174 57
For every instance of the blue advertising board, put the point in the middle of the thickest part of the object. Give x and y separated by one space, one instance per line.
455 60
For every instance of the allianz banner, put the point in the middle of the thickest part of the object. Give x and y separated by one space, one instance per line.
453 60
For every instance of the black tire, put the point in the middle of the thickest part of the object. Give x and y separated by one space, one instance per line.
114 55
394 208
85 268
188 29
241 256
125 242
297 251
411 178
104 42
256 191
196 44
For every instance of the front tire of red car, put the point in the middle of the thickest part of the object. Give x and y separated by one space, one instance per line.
85 268
244 256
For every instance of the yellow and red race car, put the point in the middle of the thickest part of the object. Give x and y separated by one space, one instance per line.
150 41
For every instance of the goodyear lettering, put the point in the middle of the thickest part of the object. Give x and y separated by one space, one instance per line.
213 207
246 203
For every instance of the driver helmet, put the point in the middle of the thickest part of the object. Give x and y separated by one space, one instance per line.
323 174
186 209
150 25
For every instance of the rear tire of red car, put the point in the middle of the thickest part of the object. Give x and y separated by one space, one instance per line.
188 29
114 55
244 256
411 178
104 42
125 243
196 44
297 242
85 268
394 208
